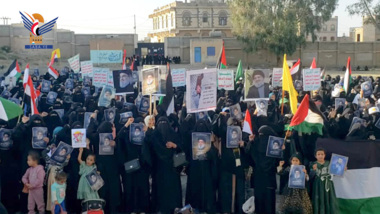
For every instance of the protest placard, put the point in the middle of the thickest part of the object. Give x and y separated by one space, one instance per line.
226 80
86 68
311 79
276 77
74 63
100 76
179 77
201 90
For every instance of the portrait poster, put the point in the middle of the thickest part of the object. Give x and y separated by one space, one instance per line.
135 76
340 102
86 92
201 87
95 180
235 112
51 97
226 80
361 103
87 117
262 107
311 79
107 94
100 76
36 72
274 148
60 112
338 164
39 133
136 133
150 81
6 94
45 86
123 82
125 116
203 115
144 105
87 81
69 84
60 154
256 84
179 77
10 82
64 71
297 177
201 144
234 136
6 141
298 85
109 115
105 147
337 89
78 138
367 89
74 63
357 120
276 77
377 124
86 68
162 75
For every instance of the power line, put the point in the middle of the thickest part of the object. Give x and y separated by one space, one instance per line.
5 20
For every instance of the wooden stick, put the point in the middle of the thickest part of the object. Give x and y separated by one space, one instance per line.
150 104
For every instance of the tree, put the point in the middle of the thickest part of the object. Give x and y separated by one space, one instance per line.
367 9
278 25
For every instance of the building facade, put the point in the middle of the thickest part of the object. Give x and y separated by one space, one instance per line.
198 18
328 32
367 33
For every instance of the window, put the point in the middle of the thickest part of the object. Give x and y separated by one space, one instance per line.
186 19
324 39
332 28
205 17
332 38
358 37
324 28
210 51
172 19
222 18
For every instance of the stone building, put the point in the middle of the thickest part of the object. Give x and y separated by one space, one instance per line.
197 18
328 32
367 33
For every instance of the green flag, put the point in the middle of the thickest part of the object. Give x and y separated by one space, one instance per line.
239 72
9 110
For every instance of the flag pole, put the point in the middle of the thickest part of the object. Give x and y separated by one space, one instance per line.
220 55
282 102
22 104
150 104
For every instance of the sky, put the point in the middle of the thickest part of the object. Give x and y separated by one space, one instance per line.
117 16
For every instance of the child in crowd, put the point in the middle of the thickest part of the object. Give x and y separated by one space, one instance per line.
324 199
33 180
85 191
58 192
296 200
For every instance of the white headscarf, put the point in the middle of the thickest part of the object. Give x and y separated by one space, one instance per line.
147 119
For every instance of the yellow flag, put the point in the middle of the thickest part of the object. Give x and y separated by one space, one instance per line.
57 51
287 85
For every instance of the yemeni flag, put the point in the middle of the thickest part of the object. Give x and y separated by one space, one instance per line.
124 56
167 102
295 67
313 64
14 70
52 70
247 127
305 120
347 76
9 110
358 191
55 55
30 91
222 59
239 72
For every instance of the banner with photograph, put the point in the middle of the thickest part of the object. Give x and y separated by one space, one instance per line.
100 76
74 63
256 84
136 133
144 105
94 180
262 107
123 82
276 77
6 141
311 79
107 94
226 80
125 116
45 86
86 68
297 177
39 133
179 77
61 152
367 89
78 138
234 136
109 115
105 147
51 97
201 144
274 148
235 112
338 164
150 81
201 87
340 102
87 117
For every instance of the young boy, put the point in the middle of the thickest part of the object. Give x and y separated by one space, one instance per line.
58 192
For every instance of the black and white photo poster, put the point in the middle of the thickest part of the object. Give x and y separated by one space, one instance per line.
274 148
105 147
60 154
94 180
39 133
201 144
6 141
137 134
234 136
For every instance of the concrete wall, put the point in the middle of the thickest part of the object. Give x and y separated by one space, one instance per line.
327 54
203 44
16 37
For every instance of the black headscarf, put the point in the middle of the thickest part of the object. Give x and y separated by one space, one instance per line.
164 129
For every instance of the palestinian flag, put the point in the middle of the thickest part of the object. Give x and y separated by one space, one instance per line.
295 67
305 120
247 127
9 110
323 72
313 64
14 70
239 72
347 76
222 64
358 191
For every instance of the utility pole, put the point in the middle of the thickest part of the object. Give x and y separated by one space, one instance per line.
134 17
5 20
